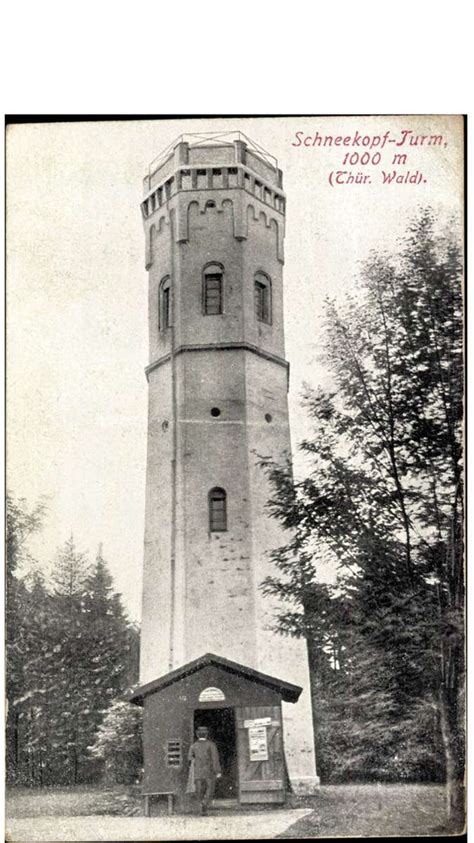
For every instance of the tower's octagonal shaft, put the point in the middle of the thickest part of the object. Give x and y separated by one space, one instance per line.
214 224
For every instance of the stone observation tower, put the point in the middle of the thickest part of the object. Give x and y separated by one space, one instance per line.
214 219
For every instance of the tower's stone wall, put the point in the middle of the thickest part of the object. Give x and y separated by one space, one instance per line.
219 600
156 600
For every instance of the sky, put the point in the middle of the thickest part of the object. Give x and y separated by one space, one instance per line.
77 293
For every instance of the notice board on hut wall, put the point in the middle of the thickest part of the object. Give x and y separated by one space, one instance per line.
258 744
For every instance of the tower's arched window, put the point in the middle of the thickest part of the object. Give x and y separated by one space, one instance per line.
263 297
165 304
217 510
212 289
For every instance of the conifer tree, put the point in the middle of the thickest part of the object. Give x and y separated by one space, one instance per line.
22 522
71 652
37 759
93 649
118 743
70 656
110 643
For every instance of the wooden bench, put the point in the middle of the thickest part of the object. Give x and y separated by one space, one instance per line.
170 794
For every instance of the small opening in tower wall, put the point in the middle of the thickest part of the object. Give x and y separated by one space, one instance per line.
210 204
164 304
165 425
217 510
215 412
268 417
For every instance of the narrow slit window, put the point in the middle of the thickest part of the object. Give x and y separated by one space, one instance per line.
213 291
165 304
263 298
217 510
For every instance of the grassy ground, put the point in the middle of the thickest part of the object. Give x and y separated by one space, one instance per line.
372 811
22 802
337 810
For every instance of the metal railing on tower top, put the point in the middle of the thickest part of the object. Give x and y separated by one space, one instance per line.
196 139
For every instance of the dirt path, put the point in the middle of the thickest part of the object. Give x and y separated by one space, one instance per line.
238 826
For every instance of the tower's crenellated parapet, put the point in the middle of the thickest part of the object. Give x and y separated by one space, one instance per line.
222 175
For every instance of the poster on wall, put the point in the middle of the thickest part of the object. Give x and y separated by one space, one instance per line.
258 746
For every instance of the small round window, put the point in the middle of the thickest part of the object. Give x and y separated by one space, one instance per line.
268 417
164 426
215 412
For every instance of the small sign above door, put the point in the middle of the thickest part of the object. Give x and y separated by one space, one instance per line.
211 695
259 721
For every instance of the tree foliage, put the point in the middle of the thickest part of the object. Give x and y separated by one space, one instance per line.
23 619
118 742
383 502
71 652
21 523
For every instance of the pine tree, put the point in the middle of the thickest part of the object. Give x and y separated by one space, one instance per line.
22 689
70 652
118 743
69 657
93 653
34 707
110 643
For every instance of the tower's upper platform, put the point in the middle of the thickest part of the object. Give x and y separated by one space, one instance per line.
213 161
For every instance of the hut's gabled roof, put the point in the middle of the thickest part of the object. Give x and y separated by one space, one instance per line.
289 692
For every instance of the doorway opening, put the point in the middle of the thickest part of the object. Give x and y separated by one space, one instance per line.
221 725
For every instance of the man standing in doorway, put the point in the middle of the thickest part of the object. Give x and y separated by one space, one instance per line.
207 768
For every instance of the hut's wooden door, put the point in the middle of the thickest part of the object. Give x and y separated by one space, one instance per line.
260 754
